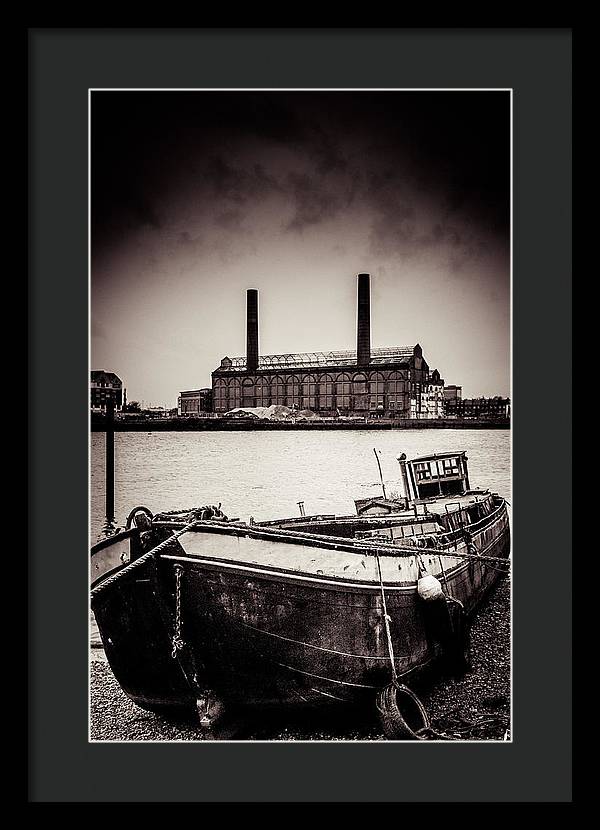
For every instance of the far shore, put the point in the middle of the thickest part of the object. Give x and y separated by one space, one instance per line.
98 424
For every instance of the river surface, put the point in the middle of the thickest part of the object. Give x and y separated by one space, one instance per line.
266 474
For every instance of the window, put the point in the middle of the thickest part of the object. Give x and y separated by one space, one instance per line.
235 397
292 397
308 392
263 392
450 466
248 393
342 389
325 392
422 471
359 390
278 390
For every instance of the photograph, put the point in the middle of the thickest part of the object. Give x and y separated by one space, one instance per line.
300 408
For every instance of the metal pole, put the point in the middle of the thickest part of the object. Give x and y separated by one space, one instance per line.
466 472
380 473
402 461
110 463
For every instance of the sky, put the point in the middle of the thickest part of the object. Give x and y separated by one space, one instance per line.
197 196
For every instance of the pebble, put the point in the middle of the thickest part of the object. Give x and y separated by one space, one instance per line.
475 706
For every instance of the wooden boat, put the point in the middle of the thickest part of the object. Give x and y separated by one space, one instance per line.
195 610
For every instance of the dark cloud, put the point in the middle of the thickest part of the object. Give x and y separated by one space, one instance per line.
231 220
313 202
186 239
197 196
235 183
432 169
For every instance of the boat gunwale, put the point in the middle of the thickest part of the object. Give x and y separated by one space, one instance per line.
274 574
123 534
339 543
315 540
331 580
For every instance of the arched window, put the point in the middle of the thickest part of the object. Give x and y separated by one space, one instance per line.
292 391
325 396
220 395
396 384
248 392
343 388
263 391
234 397
359 392
278 390
308 392
377 399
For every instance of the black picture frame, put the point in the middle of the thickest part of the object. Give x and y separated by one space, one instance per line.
63 65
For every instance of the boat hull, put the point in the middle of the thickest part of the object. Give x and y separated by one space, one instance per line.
256 634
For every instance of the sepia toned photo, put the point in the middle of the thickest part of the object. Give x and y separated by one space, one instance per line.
300 415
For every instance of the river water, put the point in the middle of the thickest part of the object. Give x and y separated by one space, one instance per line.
265 474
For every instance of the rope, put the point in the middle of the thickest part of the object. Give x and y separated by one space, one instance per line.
139 563
259 531
480 557
443 572
386 620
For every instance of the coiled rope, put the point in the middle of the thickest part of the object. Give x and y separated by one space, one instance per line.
392 719
139 563
395 724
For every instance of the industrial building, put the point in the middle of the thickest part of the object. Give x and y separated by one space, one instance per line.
194 402
386 382
481 408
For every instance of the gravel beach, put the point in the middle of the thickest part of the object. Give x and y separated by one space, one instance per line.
475 706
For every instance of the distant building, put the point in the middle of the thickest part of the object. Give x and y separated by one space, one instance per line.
194 402
478 408
387 382
432 398
452 392
105 387
156 412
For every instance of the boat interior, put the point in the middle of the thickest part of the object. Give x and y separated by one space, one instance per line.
427 517
437 509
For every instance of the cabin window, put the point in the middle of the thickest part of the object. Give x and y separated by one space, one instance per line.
422 471
450 466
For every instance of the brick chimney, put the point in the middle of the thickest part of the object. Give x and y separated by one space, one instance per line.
252 330
363 329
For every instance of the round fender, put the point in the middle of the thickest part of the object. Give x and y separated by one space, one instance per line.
401 714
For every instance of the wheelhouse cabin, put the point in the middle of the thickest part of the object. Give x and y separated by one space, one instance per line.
432 476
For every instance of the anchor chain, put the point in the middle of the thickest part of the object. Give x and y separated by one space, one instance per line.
177 639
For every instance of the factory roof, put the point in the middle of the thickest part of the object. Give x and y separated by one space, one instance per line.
345 357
